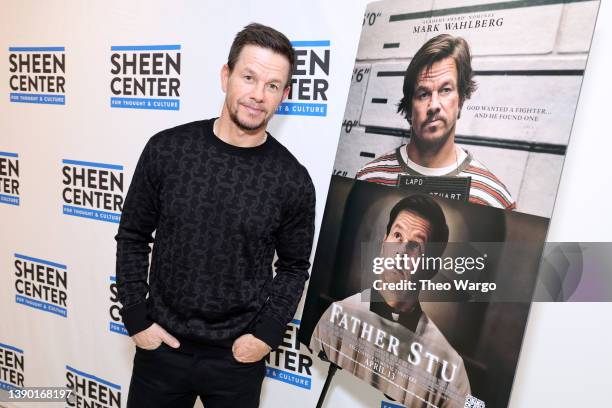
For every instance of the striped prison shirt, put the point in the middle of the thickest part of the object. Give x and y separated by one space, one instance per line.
485 188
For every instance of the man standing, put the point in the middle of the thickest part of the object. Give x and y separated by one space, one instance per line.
437 82
222 195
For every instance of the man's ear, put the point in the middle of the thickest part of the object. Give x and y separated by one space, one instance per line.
286 92
225 73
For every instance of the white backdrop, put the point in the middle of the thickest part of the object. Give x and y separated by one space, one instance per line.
87 129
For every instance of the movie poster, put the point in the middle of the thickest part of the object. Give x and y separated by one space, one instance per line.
450 154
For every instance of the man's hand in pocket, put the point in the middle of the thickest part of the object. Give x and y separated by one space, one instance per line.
153 336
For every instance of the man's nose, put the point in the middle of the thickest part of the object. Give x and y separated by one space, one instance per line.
257 93
434 104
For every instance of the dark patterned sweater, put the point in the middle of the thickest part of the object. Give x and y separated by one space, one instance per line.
218 212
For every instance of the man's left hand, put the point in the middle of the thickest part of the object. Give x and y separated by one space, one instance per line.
249 349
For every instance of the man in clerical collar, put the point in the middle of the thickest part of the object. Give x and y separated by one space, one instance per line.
416 228
383 336
409 319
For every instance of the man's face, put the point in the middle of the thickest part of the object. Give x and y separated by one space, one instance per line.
408 235
435 104
255 87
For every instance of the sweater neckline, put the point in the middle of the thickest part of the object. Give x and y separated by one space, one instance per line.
231 149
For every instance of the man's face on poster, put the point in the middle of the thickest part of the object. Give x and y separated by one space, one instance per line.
435 104
408 235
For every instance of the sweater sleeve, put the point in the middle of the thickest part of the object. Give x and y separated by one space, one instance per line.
139 219
293 246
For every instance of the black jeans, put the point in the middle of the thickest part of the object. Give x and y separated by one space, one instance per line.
171 378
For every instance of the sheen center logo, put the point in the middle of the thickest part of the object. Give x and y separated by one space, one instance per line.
310 81
12 368
145 76
9 178
41 284
116 323
287 363
92 190
91 391
37 75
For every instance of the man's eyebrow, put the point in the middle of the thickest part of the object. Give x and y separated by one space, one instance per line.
421 88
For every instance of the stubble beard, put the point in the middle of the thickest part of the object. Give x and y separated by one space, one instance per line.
233 114
429 145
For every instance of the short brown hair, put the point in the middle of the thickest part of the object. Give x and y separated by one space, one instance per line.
436 49
264 37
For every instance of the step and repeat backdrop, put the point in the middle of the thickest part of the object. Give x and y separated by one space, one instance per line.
87 83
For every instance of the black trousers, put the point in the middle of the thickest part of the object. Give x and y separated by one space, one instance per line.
171 378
